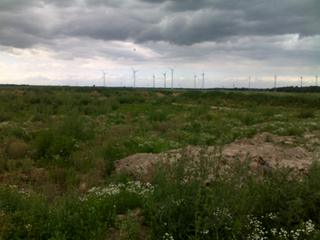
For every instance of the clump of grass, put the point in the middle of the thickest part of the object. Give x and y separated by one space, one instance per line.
56 145
157 116
16 149
29 216
306 113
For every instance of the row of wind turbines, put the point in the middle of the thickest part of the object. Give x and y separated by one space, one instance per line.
134 78
195 79
300 78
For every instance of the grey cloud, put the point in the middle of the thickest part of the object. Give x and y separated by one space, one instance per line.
20 30
193 28
175 29
190 21
273 50
81 48
11 5
16 5
182 5
104 24
176 21
217 20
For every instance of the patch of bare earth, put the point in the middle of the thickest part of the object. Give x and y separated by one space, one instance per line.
176 94
160 94
265 152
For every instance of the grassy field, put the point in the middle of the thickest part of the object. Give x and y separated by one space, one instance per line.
58 147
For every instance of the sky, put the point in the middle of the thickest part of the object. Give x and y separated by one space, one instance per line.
70 42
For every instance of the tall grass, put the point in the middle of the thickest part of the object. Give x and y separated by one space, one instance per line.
180 204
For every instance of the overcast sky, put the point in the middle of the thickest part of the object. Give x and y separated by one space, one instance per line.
72 41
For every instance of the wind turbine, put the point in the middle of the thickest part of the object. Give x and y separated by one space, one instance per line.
249 83
195 81
317 80
165 80
134 72
154 80
104 78
202 80
275 82
301 81
172 71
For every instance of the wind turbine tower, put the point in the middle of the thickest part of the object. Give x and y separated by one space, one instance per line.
275 82
195 81
301 81
317 80
104 78
154 80
165 80
203 80
172 71
134 73
249 84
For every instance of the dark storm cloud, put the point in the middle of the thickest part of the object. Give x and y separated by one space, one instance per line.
19 30
182 5
197 21
13 5
179 22
105 24
10 5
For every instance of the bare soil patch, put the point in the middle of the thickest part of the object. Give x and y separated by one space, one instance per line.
265 152
160 94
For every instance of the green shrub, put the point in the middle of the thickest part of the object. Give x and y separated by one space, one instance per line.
306 113
5 116
52 147
58 143
26 214
75 219
157 116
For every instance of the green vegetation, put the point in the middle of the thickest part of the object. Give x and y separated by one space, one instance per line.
58 147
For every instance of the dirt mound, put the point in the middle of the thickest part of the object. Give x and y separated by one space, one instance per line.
17 149
266 152
269 151
160 94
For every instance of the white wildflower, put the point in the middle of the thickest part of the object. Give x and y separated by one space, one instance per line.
204 232
309 227
113 189
28 227
167 236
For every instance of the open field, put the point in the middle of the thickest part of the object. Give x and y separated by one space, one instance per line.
59 152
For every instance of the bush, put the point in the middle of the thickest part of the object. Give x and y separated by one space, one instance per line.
58 143
25 215
75 219
52 147
157 116
306 113
5 116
